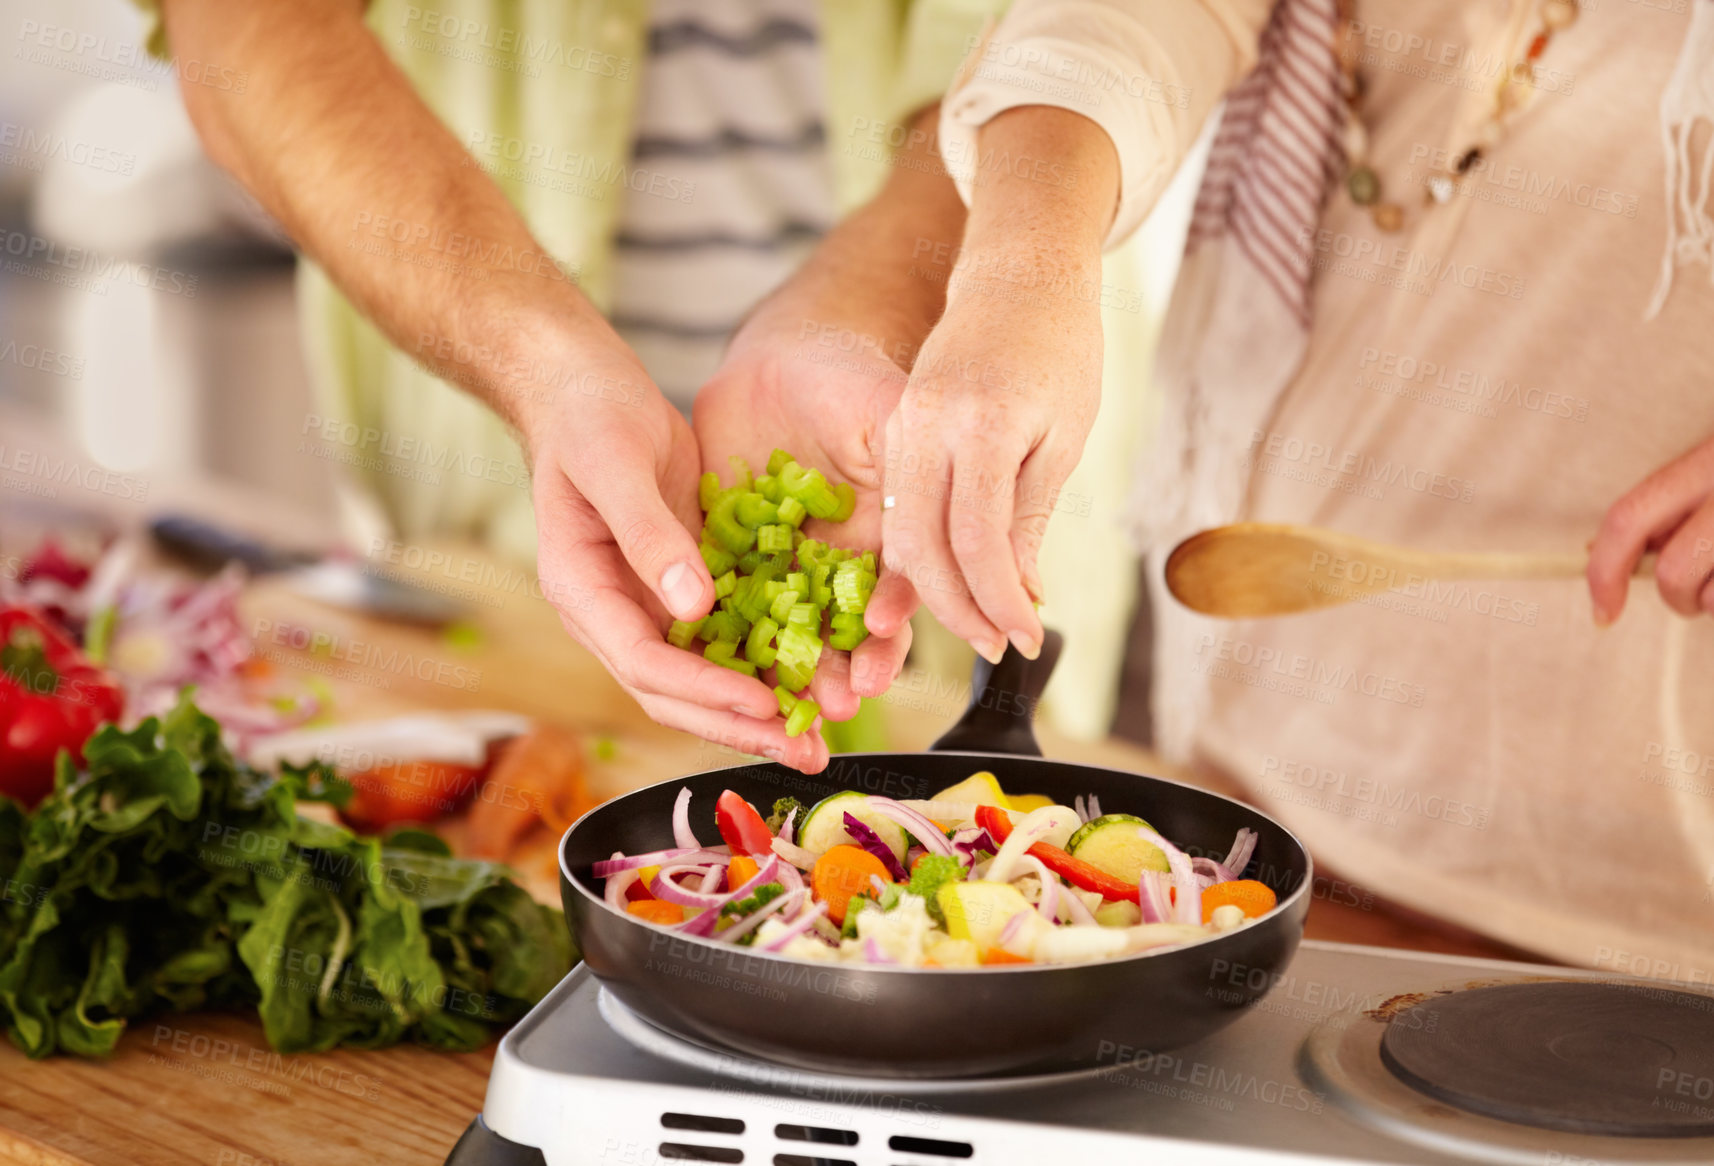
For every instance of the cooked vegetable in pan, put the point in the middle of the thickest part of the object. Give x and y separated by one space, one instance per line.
971 877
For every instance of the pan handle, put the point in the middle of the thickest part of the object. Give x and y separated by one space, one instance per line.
1003 699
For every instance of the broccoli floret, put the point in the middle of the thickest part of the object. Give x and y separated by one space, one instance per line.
765 894
782 810
933 871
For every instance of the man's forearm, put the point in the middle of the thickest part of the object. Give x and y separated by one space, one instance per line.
871 265
331 138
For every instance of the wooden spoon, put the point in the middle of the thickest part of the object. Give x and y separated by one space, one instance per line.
1261 568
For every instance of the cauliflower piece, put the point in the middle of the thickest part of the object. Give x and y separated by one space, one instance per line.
1227 916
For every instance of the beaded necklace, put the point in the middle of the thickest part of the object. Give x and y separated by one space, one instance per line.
1514 90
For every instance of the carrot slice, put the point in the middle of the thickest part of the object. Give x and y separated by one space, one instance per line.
842 872
657 911
740 870
999 955
1254 899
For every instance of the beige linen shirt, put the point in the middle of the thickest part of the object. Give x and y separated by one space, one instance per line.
1483 379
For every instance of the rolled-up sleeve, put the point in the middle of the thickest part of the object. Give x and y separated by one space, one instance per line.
1148 72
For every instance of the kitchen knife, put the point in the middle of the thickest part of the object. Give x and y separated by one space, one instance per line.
336 582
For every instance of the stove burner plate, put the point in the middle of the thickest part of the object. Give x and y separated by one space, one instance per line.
741 1067
1585 1058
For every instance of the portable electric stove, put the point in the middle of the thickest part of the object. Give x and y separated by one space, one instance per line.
1356 1053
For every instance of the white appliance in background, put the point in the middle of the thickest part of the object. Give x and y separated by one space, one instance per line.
1356 1054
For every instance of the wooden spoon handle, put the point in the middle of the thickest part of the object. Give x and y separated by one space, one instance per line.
1506 565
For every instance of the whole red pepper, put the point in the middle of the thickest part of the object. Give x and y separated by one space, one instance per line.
1073 870
51 698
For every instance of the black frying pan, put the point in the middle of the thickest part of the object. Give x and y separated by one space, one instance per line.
905 1022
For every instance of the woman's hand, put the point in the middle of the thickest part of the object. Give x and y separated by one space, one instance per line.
615 472
1672 512
1004 391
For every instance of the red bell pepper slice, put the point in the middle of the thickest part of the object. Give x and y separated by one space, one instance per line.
741 826
1073 870
51 698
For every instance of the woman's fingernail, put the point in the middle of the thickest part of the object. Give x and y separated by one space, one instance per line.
992 650
680 587
1028 646
1602 618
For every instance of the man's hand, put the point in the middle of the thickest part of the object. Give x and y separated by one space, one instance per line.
1004 391
614 477
1670 511
819 366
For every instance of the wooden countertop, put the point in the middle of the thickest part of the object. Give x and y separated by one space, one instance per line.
206 1089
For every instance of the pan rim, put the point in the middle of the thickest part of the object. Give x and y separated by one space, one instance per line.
1304 886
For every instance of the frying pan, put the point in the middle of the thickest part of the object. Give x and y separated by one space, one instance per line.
936 1023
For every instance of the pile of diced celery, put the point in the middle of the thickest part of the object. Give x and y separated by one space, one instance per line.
773 584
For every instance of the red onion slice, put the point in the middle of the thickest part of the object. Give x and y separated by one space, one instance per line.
796 855
663 886
682 833
796 927
1047 906
753 920
786 834
1210 872
1243 846
919 827
614 892
873 954
1188 907
620 862
1075 911
1153 898
701 924
1010 931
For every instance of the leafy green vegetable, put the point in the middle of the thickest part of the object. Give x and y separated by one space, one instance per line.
931 872
765 894
167 876
782 810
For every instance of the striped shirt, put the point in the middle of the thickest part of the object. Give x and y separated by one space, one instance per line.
730 116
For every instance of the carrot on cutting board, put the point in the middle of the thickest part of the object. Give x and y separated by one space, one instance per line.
842 872
657 911
1254 899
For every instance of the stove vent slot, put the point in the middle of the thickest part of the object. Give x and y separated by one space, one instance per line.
819 1134
680 1152
701 1124
930 1146
800 1160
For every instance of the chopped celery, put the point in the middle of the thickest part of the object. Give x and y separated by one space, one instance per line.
738 665
847 501
804 615
768 487
792 511
681 634
772 589
725 529
820 593
719 560
723 584
718 650
798 582
708 490
868 558
772 539
778 460
754 510
749 561
782 605
759 648
802 716
786 699
741 471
